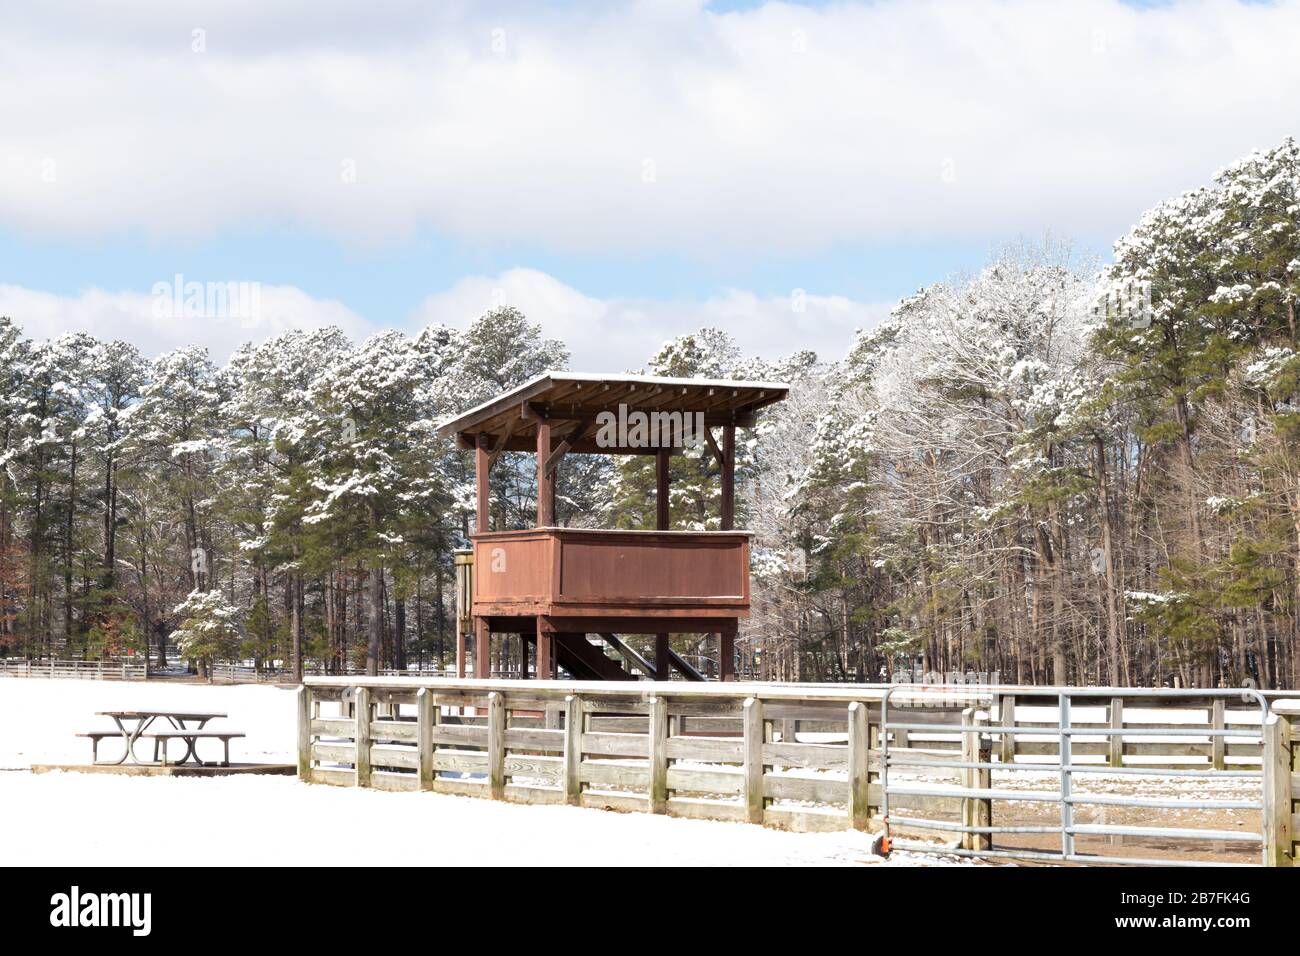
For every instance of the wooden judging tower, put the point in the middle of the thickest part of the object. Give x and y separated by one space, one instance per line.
558 587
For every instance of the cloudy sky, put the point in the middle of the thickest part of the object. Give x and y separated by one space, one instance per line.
622 172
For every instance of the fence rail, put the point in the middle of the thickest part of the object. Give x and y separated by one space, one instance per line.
96 670
790 756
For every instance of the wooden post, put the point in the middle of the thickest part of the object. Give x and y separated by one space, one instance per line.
727 652
497 745
728 477
751 712
658 755
363 736
545 479
545 650
424 735
975 811
859 759
304 734
1218 744
482 471
1008 741
482 649
662 511
573 720
1116 740
663 664
1278 835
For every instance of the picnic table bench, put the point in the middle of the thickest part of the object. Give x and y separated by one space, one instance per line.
132 725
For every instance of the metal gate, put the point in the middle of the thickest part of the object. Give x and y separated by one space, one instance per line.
976 758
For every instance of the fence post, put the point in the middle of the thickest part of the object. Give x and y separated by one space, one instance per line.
304 734
751 712
424 736
859 760
497 744
1277 791
1116 741
1218 743
362 706
572 749
1007 718
658 755
975 811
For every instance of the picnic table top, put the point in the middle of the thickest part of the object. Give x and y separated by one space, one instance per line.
178 714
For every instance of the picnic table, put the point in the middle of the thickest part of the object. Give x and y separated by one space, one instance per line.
134 724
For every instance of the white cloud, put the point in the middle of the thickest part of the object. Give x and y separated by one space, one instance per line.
615 334
137 317
603 334
777 129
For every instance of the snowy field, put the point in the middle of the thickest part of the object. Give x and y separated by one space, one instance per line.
92 820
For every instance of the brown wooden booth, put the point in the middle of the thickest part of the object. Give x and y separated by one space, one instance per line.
555 586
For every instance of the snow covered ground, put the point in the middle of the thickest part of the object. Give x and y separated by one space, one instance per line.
249 821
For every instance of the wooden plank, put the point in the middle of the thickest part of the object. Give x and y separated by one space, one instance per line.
496 744
424 718
752 716
613 801
334 778
334 753
859 765
452 734
574 715
614 775
405 758
706 809
816 789
704 781
814 756
705 750
550 770
616 745
659 748
404 731
1007 744
807 819
394 782
529 739
362 733
333 727
459 761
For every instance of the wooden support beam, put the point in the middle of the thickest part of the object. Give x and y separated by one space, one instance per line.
728 477
482 649
663 519
362 737
751 714
545 650
859 758
727 653
573 727
545 480
1218 744
663 657
304 734
497 745
482 470
1277 818
424 720
658 755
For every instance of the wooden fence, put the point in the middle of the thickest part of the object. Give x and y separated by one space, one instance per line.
90 670
789 756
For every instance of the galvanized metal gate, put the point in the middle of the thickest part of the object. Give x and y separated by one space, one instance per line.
977 729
